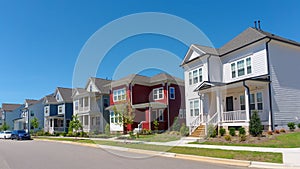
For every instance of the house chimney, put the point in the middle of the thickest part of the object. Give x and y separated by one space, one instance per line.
255 25
259 24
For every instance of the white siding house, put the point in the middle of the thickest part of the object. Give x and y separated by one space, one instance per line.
254 71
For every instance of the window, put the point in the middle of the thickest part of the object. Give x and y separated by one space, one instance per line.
242 102
91 88
81 102
161 115
60 109
86 120
115 118
252 102
194 108
31 113
233 71
86 102
57 96
105 102
259 101
172 93
76 105
158 93
240 67
248 64
46 110
195 76
190 78
119 95
182 113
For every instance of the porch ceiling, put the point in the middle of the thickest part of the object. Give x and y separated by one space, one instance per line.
155 105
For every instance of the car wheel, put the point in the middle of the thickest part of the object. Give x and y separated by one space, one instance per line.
4 137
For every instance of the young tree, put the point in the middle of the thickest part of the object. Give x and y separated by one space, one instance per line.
255 127
5 126
125 112
176 125
75 124
35 123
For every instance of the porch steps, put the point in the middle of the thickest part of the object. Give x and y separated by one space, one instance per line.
199 132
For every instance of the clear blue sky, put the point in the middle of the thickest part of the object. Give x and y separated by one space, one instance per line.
41 40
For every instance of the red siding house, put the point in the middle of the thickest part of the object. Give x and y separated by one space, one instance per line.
160 98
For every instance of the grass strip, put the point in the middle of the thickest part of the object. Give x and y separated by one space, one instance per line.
217 153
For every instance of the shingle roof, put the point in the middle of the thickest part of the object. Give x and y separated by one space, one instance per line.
50 98
102 84
8 107
31 101
248 36
66 94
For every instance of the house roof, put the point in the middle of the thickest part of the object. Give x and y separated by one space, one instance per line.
145 80
248 36
102 84
66 94
50 98
30 101
8 107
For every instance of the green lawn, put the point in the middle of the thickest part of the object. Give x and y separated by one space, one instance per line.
228 154
158 137
290 140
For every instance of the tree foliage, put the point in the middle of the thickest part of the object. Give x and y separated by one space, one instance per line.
35 123
255 127
75 124
176 125
4 126
125 111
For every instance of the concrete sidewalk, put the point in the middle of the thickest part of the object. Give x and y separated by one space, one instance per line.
291 156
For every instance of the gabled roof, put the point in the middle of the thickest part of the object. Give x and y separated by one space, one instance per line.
50 99
247 37
102 84
145 80
66 93
30 101
8 107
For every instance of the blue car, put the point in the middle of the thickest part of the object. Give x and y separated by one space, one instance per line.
20 135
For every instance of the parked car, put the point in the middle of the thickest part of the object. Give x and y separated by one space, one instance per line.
5 134
20 135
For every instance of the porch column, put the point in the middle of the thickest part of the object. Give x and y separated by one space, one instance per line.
201 109
52 125
89 123
247 106
218 104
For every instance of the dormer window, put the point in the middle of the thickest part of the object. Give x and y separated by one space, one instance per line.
57 97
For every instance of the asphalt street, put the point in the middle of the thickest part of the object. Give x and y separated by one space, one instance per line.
50 155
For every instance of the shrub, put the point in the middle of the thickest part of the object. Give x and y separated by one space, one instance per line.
70 134
232 131
299 125
184 130
243 137
277 131
56 134
107 129
291 125
82 134
270 132
255 127
131 134
176 125
228 138
282 130
242 131
146 132
156 125
222 131
64 134
211 131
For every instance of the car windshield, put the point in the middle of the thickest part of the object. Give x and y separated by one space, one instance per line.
7 132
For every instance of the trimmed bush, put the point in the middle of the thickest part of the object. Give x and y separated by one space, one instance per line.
176 125
255 128
222 131
243 138
291 125
282 130
299 125
184 130
270 133
64 134
232 131
107 129
227 138
242 131
211 131
277 131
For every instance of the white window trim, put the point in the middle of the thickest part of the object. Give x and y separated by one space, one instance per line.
245 67
156 92
173 98
115 94
255 99
193 101
161 115
199 76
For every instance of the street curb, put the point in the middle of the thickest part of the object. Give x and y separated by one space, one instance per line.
232 162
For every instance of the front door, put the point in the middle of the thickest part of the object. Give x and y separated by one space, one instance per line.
229 103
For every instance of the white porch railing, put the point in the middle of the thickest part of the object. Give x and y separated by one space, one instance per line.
194 124
234 116
213 120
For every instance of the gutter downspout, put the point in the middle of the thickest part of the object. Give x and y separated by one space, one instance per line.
269 85
208 78
168 108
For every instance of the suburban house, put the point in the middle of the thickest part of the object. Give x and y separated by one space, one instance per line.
89 104
10 112
32 108
256 70
144 100
58 110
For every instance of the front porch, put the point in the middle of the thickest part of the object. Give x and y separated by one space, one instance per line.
91 122
231 105
55 124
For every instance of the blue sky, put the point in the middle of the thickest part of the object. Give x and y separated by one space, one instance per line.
41 40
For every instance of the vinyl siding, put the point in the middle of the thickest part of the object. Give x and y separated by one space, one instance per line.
284 70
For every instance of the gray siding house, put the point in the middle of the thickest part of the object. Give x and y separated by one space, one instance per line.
10 112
